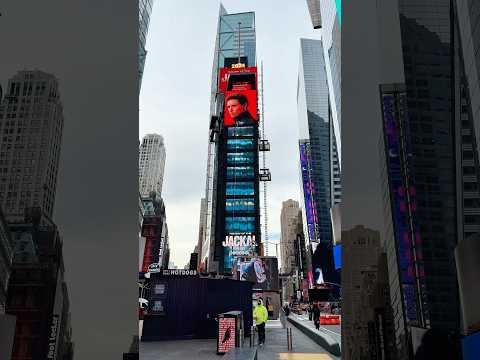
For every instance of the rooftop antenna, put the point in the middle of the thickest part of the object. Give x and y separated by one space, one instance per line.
239 33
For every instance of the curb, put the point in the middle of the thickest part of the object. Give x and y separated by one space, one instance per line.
325 341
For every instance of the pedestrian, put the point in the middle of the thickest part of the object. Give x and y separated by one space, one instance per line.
310 311
286 309
260 315
316 316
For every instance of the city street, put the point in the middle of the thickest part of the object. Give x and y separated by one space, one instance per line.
275 347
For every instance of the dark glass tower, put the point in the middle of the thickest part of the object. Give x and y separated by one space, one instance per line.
144 11
432 170
232 220
316 158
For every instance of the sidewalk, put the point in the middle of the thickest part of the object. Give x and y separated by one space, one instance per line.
328 336
303 348
275 347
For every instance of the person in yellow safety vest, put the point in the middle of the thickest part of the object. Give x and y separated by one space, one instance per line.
260 315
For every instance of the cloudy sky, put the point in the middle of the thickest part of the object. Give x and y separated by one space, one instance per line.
175 99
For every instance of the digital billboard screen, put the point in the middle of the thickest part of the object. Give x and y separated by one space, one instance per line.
262 271
337 256
308 191
232 78
395 115
240 108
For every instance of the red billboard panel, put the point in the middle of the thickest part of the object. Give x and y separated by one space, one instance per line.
240 108
231 76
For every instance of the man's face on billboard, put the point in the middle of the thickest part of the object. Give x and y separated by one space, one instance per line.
259 270
234 108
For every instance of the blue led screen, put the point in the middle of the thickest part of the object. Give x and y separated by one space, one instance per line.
337 256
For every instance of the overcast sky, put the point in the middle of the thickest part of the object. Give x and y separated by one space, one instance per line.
175 100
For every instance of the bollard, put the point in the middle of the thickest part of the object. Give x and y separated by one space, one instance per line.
291 339
288 339
252 336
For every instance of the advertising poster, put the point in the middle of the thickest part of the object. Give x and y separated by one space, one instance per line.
262 271
235 245
226 334
240 107
226 72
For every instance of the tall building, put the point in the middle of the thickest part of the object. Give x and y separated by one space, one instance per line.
37 294
31 124
361 250
430 163
289 220
6 257
292 248
144 11
316 165
154 241
329 25
152 164
232 226
202 246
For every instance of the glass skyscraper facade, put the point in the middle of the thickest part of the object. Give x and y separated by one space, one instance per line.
231 192
431 166
315 146
144 11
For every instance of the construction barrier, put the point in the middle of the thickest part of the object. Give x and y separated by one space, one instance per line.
330 319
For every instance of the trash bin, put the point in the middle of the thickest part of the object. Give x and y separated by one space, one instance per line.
230 331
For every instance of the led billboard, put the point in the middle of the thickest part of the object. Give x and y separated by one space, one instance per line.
403 198
240 108
262 271
337 256
230 77
239 84
308 191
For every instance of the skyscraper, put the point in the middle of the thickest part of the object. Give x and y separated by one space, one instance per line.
291 246
315 145
232 191
145 9
152 164
289 220
31 123
361 249
202 245
431 171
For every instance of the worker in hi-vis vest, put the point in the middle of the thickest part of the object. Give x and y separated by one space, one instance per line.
260 315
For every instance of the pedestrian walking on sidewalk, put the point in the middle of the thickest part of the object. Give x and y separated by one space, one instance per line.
310 311
260 315
316 316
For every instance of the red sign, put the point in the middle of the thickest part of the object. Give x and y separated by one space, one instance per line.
226 334
225 77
